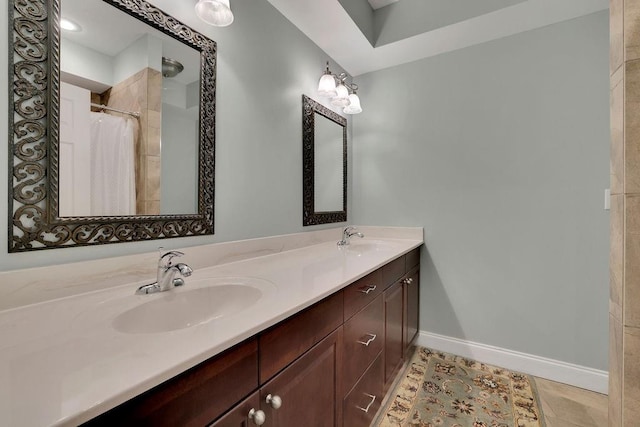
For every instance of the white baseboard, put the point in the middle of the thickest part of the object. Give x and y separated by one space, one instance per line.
555 370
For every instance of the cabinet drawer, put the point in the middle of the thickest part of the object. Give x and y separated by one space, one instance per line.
363 340
362 292
195 397
363 402
393 271
412 259
288 340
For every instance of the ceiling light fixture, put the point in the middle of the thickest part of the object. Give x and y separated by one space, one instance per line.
342 94
69 25
171 67
215 12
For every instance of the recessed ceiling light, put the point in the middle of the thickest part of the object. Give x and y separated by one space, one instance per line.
69 25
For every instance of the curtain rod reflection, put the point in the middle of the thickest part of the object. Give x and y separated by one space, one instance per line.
104 107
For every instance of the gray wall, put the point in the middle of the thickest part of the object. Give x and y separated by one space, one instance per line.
179 169
265 64
501 152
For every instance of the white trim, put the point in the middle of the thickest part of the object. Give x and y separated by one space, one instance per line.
555 370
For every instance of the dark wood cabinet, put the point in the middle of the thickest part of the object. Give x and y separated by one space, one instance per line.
360 293
393 271
239 416
363 401
394 332
289 339
412 306
401 313
326 366
363 340
195 397
308 392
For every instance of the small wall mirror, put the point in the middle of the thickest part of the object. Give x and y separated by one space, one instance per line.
324 139
113 124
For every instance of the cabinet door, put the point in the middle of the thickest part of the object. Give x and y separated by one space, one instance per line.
412 305
240 415
307 393
393 337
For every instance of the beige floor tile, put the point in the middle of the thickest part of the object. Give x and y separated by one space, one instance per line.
564 405
558 422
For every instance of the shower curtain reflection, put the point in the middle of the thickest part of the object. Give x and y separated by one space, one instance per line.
113 190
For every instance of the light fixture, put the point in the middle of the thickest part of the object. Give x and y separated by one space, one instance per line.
215 12
327 84
342 94
354 105
69 25
171 67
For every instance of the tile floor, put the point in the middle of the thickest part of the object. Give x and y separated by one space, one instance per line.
567 406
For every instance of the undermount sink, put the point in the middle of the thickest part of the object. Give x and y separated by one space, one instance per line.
199 301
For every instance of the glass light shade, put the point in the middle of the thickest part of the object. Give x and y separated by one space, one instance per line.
354 106
342 98
215 12
327 86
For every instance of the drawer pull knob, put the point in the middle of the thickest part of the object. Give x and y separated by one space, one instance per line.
373 399
370 288
257 416
274 400
408 281
369 341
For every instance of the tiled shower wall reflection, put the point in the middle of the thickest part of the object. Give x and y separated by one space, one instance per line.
143 92
624 311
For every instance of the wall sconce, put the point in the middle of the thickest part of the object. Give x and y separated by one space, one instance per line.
342 94
215 12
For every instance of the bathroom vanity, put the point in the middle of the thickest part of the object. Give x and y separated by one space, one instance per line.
329 365
318 333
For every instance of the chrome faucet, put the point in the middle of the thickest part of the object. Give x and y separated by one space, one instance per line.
347 233
166 274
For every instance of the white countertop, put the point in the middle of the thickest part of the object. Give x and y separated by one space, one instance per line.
62 362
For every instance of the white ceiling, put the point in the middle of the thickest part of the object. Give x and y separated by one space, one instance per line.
328 24
108 30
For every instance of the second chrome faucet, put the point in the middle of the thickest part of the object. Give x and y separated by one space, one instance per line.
166 273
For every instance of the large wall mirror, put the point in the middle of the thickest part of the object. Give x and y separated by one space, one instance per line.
324 140
113 124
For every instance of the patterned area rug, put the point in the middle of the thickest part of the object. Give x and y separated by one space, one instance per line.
440 389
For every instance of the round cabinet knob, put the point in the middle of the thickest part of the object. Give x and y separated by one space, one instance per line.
274 400
258 417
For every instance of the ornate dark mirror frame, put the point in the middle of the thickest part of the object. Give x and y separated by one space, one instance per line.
34 64
309 214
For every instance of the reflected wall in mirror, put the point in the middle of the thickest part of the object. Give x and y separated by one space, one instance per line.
113 124
324 140
128 116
